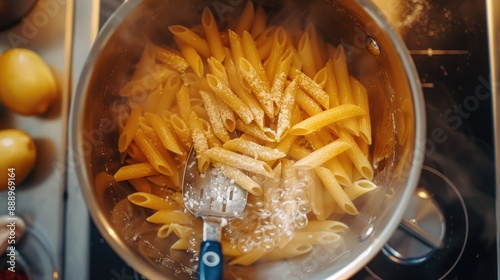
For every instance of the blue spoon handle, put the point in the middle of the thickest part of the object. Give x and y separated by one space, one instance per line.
210 267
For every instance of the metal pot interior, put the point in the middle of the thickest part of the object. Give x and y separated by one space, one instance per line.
397 126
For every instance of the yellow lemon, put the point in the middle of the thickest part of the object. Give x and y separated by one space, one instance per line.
27 85
18 156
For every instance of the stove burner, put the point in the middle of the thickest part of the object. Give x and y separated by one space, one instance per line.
420 233
432 237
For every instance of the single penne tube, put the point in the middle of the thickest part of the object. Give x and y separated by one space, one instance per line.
286 108
200 142
131 127
243 94
331 84
279 40
133 171
348 167
328 225
279 83
161 129
258 86
213 141
225 93
264 49
192 57
163 181
338 171
290 250
325 118
321 78
344 87
307 103
240 178
240 161
259 22
170 217
315 191
254 130
191 39
171 58
182 231
246 19
358 158
336 190
316 237
183 102
360 97
151 201
249 258
145 61
311 87
236 46
212 33
226 114
266 36
306 54
181 244
135 153
182 131
317 45
323 154
296 60
152 153
141 185
164 231
218 70
283 146
253 149
214 116
358 188
193 80
298 152
251 53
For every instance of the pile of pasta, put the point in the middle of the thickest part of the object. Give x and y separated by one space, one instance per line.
302 121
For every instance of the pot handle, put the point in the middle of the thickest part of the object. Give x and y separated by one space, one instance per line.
210 266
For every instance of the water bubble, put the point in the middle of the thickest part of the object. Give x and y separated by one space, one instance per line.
304 207
242 245
300 221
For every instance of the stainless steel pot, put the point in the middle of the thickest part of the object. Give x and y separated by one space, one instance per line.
377 57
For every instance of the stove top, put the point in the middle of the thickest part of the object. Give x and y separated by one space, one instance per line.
454 204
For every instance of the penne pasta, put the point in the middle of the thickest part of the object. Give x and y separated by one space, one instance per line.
191 39
214 116
148 200
336 190
252 149
358 188
161 129
227 95
214 40
325 118
192 57
323 154
200 142
134 171
238 160
131 127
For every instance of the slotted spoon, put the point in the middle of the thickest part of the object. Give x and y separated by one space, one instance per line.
214 198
